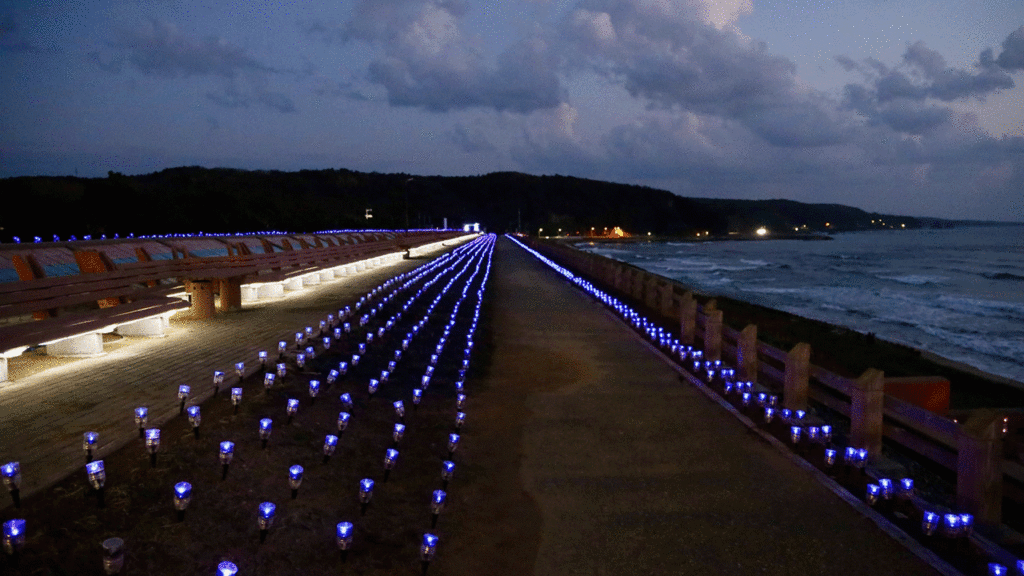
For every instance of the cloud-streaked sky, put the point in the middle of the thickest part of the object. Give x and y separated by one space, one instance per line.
913 107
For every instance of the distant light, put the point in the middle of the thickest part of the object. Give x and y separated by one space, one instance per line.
762 231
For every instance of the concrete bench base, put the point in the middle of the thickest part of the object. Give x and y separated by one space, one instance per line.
326 275
271 290
145 328
3 369
311 279
84 346
293 284
250 292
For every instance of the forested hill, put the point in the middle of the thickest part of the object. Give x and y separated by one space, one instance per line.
195 199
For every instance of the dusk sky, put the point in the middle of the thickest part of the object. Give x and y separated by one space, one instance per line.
913 107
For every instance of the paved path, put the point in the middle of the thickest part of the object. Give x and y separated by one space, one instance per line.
603 463
43 413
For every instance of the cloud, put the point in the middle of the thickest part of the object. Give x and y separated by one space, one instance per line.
1012 56
429 62
471 139
903 97
11 39
159 49
231 97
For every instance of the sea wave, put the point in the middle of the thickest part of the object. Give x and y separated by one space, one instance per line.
1002 276
915 279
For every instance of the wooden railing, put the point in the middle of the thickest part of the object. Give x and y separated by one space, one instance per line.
971 449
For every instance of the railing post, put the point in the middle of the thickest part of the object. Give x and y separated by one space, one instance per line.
713 335
979 474
866 405
746 353
798 372
651 291
668 300
687 318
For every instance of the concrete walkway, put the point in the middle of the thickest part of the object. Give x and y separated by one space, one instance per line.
590 457
44 412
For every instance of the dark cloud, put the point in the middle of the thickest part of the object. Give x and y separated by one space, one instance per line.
898 97
159 49
11 39
231 97
471 139
1012 56
428 63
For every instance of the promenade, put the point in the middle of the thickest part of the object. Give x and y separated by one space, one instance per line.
583 453
591 457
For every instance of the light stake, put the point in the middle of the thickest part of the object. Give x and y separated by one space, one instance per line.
89 440
282 368
425 382
332 376
265 425
262 355
281 347
460 419
346 401
141 418
355 360
113 555
314 390
365 494
236 398
182 497
397 433
295 479
183 391
218 379
417 396
265 519
436 506
399 410
427 550
460 401
343 418
453 443
194 418
330 444
390 457
929 523
310 353
226 568
14 536
97 476
372 387
152 444
344 538
240 370
227 452
292 408
11 475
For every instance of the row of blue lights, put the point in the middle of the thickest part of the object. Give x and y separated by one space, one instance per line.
465 255
198 235
950 525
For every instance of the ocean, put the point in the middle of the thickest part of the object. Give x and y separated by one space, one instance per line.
958 293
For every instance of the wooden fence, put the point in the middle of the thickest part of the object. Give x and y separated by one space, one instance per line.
972 449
